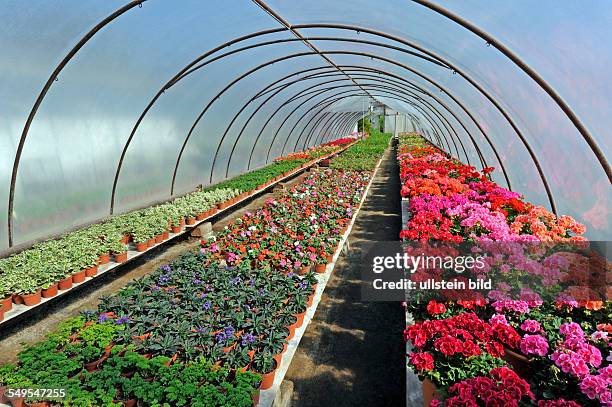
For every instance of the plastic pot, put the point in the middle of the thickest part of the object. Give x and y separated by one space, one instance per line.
91 271
78 277
65 283
121 257
31 299
50 292
104 258
142 246
7 303
267 380
320 268
191 221
151 242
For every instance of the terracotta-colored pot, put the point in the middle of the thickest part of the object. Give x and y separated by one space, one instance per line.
1 315
78 277
159 239
65 283
320 268
104 258
142 246
125 239
39 404
300 320
7 303
303 270
16 401
129 403
267 380
182 223
201 216
31 299
166 235
430 392
176 229
151 242
91 271
330 258
50 292
191 221
121 257
3 398
291 328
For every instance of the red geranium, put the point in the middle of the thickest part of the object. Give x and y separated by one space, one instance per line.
422 361
435 308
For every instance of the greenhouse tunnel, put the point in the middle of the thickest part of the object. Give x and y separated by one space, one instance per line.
149 99
109 106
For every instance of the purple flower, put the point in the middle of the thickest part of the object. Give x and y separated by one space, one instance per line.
251 282
302 285
261 291
290 274
206 305
221 336
247 339
123 320
197 281
166 268
229 330
203 295
163 279
235 281
102 318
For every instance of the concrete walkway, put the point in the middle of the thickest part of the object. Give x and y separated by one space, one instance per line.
352 353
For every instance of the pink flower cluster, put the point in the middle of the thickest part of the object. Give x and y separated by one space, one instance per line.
574 354
534 345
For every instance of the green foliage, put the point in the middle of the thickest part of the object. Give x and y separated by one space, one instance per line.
364 155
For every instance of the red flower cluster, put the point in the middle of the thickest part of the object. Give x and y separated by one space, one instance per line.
422 361
340 141
503 388
464 334
435 308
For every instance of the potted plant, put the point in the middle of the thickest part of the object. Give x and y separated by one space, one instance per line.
265 364
6 295
119 251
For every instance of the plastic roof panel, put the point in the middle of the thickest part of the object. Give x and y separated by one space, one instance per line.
68 166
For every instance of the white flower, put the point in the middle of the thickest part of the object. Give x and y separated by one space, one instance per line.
297 242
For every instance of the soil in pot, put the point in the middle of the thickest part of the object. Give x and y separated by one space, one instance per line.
50 292
78 277
65 283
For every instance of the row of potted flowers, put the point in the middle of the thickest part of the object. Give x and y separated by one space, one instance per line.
239 315
53 265
509 346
